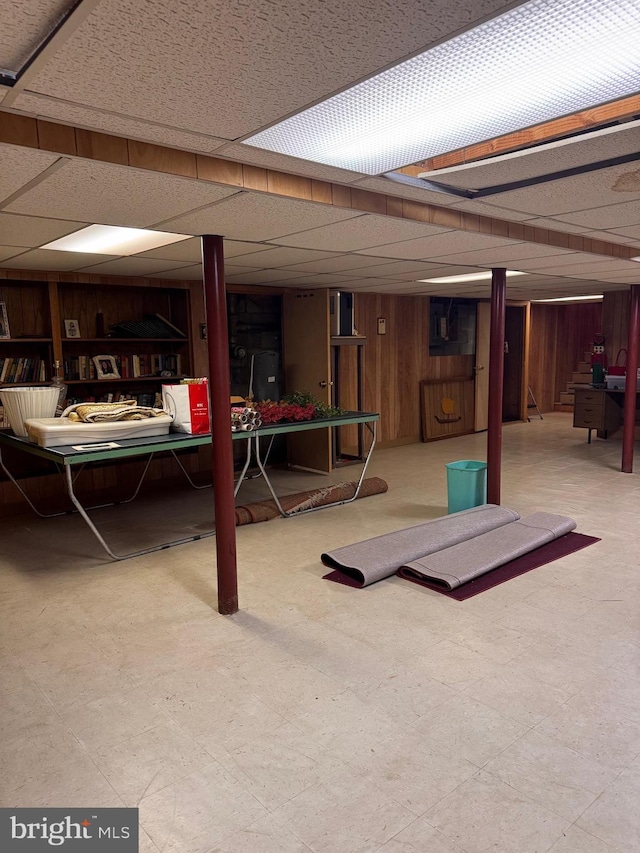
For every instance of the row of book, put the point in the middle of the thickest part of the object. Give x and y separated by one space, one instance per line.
22 370
150 399
129 366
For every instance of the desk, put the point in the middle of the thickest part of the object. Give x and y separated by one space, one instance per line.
67 458
601 409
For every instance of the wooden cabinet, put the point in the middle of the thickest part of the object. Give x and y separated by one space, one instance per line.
594 408
448 407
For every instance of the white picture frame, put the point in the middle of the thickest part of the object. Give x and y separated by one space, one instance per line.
72 329
106 367
4 321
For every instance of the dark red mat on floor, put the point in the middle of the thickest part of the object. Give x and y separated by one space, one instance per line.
533 560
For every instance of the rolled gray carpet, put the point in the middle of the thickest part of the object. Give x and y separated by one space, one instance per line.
374 559
467 560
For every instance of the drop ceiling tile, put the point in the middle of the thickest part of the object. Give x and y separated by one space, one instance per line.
255 216
631 231
614 216
234 248
19 165
489 207
115 195
555 225
501 255
32 231
10 252
325 280
610 237
337 263
587 267
425 248
186 250
282 162
45 259
281 256
227 69
130 266
388 186
25 26
630 277
111 122
547 265
261 277
362 232
568 195
190 273
236 269
402 270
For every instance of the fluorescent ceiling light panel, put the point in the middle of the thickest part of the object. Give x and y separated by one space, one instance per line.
593 298
467 276
537 62
114 240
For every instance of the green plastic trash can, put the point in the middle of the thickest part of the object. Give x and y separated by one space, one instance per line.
466 484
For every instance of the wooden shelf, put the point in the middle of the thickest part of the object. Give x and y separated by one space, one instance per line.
25 340
129 380
124 340
23 384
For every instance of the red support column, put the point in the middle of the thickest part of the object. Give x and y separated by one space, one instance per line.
223 485
496 379
630 394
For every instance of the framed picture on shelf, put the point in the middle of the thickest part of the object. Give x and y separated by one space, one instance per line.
4 321
71 328
106 367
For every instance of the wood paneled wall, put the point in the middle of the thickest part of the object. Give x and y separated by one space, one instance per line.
396 363
615 322
560 337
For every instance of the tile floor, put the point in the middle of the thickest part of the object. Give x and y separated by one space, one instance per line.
330 719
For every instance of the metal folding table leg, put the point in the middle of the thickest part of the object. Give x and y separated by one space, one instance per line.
239 482
284 513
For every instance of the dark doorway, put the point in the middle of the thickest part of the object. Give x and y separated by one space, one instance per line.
513 362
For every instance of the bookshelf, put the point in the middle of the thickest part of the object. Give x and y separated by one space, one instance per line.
26 343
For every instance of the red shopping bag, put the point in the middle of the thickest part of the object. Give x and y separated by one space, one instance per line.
619 369
189 405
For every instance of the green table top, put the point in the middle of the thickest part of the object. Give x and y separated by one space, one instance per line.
106 450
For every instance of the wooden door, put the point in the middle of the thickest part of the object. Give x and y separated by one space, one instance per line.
483 328
514 399
307 367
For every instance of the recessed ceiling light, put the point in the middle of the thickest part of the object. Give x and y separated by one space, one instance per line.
467 276
593 298
113 240
539 61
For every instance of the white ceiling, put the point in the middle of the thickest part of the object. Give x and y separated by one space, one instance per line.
199 76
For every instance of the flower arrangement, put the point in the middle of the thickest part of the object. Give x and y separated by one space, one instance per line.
299 406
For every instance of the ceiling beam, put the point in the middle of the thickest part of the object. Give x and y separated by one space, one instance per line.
20 129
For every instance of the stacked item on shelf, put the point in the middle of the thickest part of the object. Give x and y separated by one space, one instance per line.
22 370
244 419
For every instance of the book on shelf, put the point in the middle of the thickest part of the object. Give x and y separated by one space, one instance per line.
130 366
15 370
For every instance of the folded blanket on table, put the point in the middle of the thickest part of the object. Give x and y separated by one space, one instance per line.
125 410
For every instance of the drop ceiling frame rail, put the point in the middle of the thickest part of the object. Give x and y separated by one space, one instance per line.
27 131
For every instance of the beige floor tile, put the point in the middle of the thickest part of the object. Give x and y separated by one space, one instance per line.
615 816
414 770
576 841
266 835
75 687
195 813
419 837
494 642
551 774
345 725
345 812
44 765
602 734
143 764
485 814
407 692
517 695
470 729
455 665
280 766
22 703
113 718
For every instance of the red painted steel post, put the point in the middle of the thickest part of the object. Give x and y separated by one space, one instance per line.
630 394
218 344
496 381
